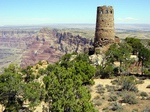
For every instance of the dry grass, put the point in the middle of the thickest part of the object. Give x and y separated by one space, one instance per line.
104 98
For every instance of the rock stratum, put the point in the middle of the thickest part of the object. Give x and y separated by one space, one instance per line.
29 47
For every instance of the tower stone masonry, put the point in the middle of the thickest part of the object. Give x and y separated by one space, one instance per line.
104 32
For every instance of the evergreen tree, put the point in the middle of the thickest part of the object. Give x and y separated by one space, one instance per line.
64 87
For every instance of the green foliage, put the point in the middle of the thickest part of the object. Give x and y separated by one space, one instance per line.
134 43
144 56
41 71
28 74
79 66
121 53
84 70
33 93
108 71
118 52
12 68
65 91
112 53
50 68
40 62
64 84
84 57
99 70
148 43
14 89
142 52
105 72
10 83
147 72
66 57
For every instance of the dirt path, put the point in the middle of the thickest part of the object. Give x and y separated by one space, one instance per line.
99 81
142 87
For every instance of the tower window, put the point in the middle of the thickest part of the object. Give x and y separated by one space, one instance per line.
106 11
111 11
101 12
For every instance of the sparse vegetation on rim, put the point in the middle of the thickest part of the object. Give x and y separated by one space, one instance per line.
73 75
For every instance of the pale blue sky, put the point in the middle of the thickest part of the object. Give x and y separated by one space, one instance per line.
36 12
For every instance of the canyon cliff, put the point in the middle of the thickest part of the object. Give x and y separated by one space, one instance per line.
27 47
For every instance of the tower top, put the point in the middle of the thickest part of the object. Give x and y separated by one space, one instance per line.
105 9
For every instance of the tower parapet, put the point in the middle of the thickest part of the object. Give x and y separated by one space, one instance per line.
105 32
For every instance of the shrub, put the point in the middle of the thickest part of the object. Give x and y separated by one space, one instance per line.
112 98
89 88
116 107
139 82
40 63
105 109
143 98
99 86
97 102
103 97
114 82
37 67
107 71
146 72
129 86
129 97
119 93
148 86
41 71
96 97
144 94
100 89
110 88
135 110
120 80
98 72
146 109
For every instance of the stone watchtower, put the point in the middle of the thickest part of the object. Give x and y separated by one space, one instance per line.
105 33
